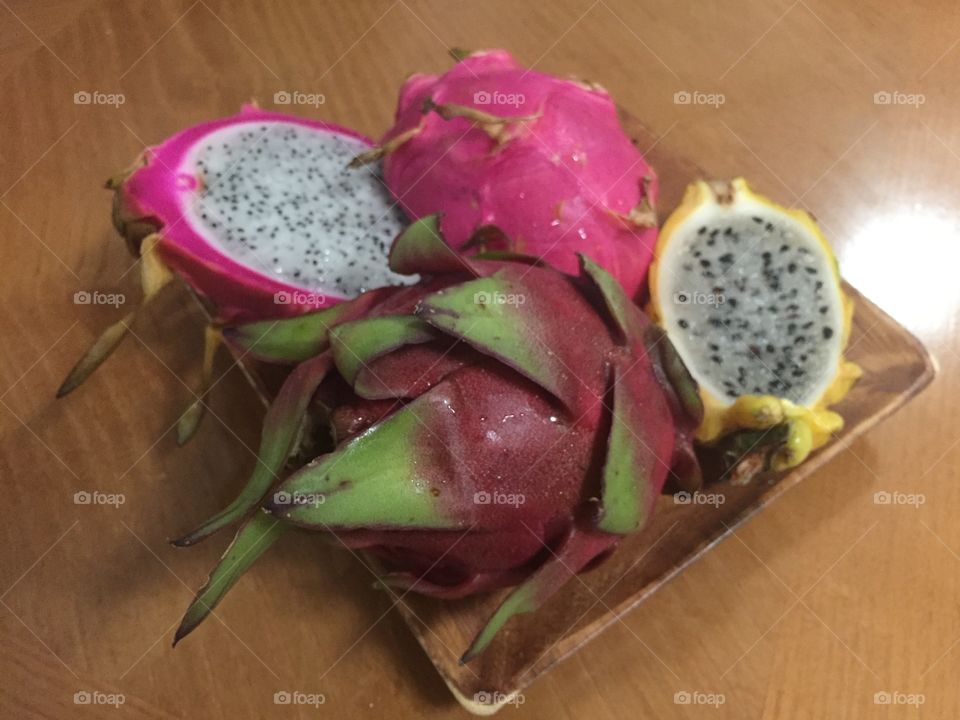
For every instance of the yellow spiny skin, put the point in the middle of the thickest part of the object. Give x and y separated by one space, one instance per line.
809 427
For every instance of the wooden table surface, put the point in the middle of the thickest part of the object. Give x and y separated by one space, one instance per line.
819 603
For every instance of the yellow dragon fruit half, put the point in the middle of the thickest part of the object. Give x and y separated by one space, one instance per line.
750 294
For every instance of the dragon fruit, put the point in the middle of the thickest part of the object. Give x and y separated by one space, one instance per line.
491 143
474 446
750 293
259 215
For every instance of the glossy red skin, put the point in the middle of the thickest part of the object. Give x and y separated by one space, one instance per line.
158 192
553 189
499 439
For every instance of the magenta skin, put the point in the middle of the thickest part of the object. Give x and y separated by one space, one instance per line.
162 190
563 183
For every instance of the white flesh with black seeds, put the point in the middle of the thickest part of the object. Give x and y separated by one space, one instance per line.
751 303
278 198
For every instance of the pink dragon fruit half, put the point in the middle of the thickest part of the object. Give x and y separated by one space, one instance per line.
544 159
261 205
260 216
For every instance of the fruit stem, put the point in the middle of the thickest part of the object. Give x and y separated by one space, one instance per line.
374 154
494 125
190 420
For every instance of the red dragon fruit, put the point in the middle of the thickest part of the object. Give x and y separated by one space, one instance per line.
259 215
500 423
491 143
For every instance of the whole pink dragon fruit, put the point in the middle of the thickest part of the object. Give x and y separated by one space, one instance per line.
491 143
260 216
475 446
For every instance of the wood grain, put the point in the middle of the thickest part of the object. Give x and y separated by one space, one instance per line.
807 611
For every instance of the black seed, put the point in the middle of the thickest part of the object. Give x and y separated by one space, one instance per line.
726 258
683 323
827 333
792 268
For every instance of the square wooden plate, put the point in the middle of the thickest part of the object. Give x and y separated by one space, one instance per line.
896 367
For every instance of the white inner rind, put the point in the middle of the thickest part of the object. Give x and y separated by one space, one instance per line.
278 198
748 297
